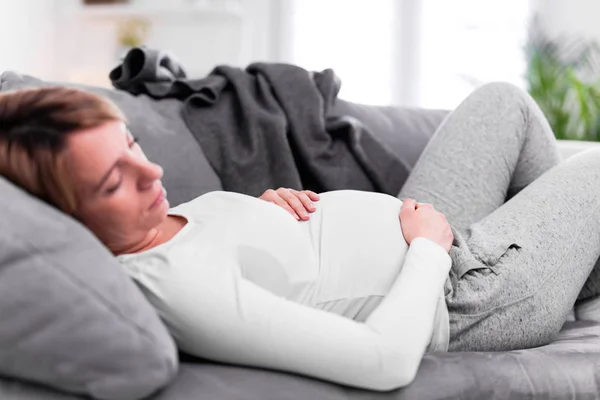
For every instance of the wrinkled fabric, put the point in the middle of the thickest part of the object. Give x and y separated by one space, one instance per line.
269 125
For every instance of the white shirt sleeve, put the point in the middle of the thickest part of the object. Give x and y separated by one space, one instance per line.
229 319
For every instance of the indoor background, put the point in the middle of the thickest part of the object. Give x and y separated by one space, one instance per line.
421 53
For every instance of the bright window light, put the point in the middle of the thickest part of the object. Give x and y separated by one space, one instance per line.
465 43
460 44
352 37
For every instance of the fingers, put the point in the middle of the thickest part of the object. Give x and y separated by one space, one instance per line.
268 195
273 196
312 195
298 201
407 210
284 204
305 199
423 205
408 204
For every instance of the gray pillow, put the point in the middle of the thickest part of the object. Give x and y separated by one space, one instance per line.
163 135
70 317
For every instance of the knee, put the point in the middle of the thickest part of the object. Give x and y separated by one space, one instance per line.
504 100
503 91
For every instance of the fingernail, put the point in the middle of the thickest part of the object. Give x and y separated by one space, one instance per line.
311 205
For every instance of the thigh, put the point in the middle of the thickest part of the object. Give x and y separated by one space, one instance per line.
494 144
533 255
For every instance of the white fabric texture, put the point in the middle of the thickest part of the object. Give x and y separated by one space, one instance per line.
340 297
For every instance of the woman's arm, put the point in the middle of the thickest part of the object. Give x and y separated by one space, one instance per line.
221 316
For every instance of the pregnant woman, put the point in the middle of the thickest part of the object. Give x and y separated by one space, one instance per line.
352 287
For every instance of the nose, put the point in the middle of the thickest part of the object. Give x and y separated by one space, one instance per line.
149 173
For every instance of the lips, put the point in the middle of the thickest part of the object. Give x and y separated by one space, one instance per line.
159 199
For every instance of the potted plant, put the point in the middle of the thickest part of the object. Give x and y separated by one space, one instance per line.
563 76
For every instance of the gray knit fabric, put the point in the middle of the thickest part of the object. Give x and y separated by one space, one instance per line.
592 285
518 265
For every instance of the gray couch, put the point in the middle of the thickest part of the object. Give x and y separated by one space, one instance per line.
567 368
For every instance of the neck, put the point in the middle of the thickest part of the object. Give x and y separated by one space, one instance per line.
159 235
148 241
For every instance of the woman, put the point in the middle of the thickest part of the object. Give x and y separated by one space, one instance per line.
358 290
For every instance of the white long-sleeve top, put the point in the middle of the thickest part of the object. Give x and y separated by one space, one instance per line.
340 297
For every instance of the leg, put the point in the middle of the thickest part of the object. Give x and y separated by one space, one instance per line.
523 266
493 145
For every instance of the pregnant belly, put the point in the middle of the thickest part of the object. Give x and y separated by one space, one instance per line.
359 244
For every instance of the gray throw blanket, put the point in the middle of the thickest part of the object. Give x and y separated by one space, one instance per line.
268 126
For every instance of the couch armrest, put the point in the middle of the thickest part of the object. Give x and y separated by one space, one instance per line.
569 147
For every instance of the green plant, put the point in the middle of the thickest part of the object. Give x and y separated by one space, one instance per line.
563 76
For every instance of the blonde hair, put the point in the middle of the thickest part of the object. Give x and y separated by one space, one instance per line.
34 126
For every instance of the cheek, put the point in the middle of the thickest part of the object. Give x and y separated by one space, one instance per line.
125 209
115 215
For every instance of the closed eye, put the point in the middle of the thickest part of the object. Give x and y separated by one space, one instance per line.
114 188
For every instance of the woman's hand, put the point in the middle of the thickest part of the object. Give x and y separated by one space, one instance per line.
422 220
297 203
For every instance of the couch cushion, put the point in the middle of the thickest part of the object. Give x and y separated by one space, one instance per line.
70 317
406 131
565 369
163 135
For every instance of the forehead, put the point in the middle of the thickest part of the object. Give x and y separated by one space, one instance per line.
91 152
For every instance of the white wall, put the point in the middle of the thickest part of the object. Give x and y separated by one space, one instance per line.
574 17
60 40
263 33
200 40
52 40
27 41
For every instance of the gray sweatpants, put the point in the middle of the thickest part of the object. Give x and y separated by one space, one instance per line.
527 229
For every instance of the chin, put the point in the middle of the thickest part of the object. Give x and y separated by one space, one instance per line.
158 215
163 209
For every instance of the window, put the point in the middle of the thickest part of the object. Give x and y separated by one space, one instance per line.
465 43
428 53
352 37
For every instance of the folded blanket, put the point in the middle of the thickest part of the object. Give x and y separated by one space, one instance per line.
268 126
